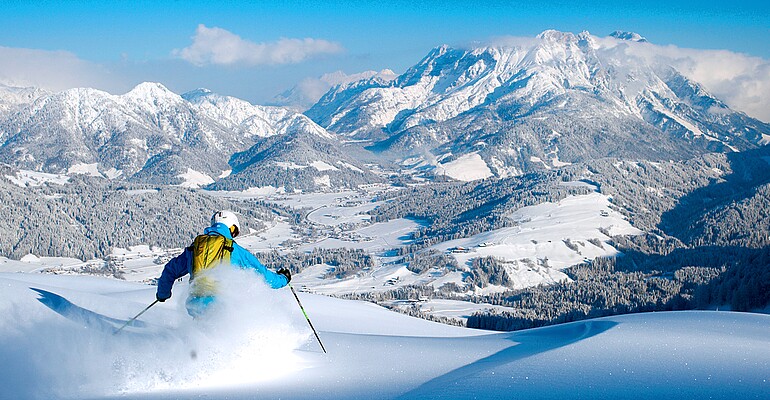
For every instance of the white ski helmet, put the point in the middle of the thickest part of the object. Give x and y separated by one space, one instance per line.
229 219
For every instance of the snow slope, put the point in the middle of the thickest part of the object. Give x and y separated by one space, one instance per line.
538 247
469 167
265 350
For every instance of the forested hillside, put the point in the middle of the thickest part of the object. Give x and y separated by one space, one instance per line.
88 217
708 245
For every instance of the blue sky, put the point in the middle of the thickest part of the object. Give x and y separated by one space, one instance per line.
127 42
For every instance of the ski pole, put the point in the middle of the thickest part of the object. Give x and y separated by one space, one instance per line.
306 317
132 319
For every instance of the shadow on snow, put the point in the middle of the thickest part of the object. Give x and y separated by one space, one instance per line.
528 343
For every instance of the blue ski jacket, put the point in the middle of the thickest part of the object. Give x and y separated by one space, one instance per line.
181 265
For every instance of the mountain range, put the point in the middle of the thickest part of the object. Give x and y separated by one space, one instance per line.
561 98
489 111
151 134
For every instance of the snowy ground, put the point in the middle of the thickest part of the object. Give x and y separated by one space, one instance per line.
455 309
538 248
32 263
57 341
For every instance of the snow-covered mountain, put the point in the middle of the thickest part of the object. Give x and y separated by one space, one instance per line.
296 160
12 97
471 113
560 98
149 134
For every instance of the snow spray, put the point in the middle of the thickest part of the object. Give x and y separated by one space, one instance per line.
249 335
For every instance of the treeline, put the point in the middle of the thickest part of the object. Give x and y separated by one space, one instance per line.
714 199
597 290
744 285
741 222
455 210
419 262
413 294
487 271
344 262
415 310
88 217
653 275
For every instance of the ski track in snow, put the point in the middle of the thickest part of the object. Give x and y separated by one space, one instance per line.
258 345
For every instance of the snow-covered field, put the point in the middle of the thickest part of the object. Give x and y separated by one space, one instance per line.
469 167
454 309
25 178
57 341
548 238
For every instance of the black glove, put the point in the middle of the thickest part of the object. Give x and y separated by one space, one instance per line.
161 299
285 272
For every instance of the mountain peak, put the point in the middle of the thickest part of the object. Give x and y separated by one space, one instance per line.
438 51
630 36
12 95
151 90
556 36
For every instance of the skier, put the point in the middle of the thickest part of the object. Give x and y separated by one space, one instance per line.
209 250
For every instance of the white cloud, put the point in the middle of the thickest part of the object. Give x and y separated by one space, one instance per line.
740 80
220 47
309 90
52 70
